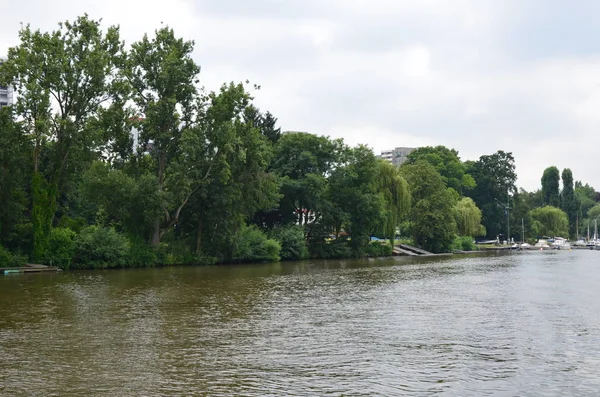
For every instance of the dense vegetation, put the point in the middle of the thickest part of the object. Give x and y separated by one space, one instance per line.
114 156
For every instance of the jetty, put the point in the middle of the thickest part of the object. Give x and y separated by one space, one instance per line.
29 268
409 250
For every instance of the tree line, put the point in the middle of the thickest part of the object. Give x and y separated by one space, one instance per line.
115 156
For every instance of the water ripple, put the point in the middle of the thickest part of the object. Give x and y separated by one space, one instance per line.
497 325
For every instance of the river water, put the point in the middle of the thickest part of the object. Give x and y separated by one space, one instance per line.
518 324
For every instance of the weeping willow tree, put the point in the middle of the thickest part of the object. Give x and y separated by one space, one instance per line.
467 217
550 221
396 193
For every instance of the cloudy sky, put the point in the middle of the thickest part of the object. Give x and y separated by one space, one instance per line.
477 76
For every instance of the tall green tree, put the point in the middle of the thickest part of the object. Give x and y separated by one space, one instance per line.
568 201
62 80
551 186
520 218
448 164
304 161
495 178
163 78
396 194
224 161
355 191
432 221
14 153
585 196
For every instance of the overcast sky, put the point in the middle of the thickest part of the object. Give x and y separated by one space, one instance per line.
476 76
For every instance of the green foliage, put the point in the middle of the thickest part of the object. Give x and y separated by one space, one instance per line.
594 212
8 259
467 217
335 249
585 196
162 75
447 163
303 161
355 190
13 179
432 219
495 178
292 241
128 203
378 249
522 202
61 248
464 243
551 186
100 248
396 193
549 221
250 244
141 254
61 80
208 163
568 201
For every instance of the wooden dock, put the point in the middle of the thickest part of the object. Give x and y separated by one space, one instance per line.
409 250
29 268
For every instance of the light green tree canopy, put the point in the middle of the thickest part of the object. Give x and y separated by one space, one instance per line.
396 193
467 217
550 221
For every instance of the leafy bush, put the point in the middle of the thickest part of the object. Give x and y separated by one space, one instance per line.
61 247
293 243
378 249
98 247
141 254
250 244
464 243
205 260
8 259
336 249
75 224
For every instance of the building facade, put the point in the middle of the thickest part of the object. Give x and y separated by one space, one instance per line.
397 156
6 94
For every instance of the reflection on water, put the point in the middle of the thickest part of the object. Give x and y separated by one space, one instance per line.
525 324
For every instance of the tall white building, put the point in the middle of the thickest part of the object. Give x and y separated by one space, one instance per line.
397 156
6 93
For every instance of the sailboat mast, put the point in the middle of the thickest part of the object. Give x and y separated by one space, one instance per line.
523 231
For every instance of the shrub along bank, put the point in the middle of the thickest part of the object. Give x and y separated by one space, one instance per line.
96 247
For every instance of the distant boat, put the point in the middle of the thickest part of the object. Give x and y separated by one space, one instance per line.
560 243
594 243
542 244
524 245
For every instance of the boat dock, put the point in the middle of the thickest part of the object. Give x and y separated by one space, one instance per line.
29 268
409 250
